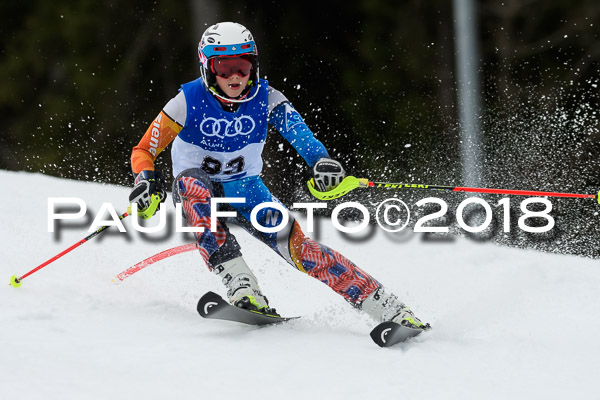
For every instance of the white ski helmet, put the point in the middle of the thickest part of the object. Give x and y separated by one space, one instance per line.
227 39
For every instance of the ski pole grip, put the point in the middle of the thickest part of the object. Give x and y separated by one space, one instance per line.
348 184
151 210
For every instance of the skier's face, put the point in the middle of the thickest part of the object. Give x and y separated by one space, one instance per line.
234 85
232 74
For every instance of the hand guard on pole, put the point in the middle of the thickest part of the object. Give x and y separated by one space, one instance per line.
327 174
148 186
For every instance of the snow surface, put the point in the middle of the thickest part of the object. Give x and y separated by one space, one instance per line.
508 323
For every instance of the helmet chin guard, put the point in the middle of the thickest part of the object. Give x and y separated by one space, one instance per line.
228 39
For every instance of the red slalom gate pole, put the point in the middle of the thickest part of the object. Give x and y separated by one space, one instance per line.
16 281
151 260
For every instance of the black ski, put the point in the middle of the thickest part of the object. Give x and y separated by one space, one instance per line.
390 333
212 306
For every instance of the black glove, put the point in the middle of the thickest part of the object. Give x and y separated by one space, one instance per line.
146 184
327 174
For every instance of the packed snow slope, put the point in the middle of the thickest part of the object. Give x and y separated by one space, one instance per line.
508 323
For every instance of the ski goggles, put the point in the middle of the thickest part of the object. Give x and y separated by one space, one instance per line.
227 66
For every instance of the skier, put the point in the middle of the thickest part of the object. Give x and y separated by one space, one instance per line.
218 126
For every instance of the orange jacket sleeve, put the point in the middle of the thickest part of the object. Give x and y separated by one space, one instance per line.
159 135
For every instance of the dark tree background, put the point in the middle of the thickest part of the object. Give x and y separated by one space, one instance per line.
374 79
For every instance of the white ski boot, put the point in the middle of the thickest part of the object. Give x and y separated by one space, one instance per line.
242 286
383 305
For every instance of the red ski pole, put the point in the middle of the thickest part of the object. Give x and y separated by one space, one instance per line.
16 281
388 185
350 183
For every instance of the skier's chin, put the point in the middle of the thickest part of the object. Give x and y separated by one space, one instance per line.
232 94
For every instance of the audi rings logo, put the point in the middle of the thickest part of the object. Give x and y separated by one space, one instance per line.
221 128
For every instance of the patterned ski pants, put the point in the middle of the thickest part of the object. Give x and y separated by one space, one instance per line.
194 190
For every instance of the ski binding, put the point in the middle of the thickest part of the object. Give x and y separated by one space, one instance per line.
212 306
